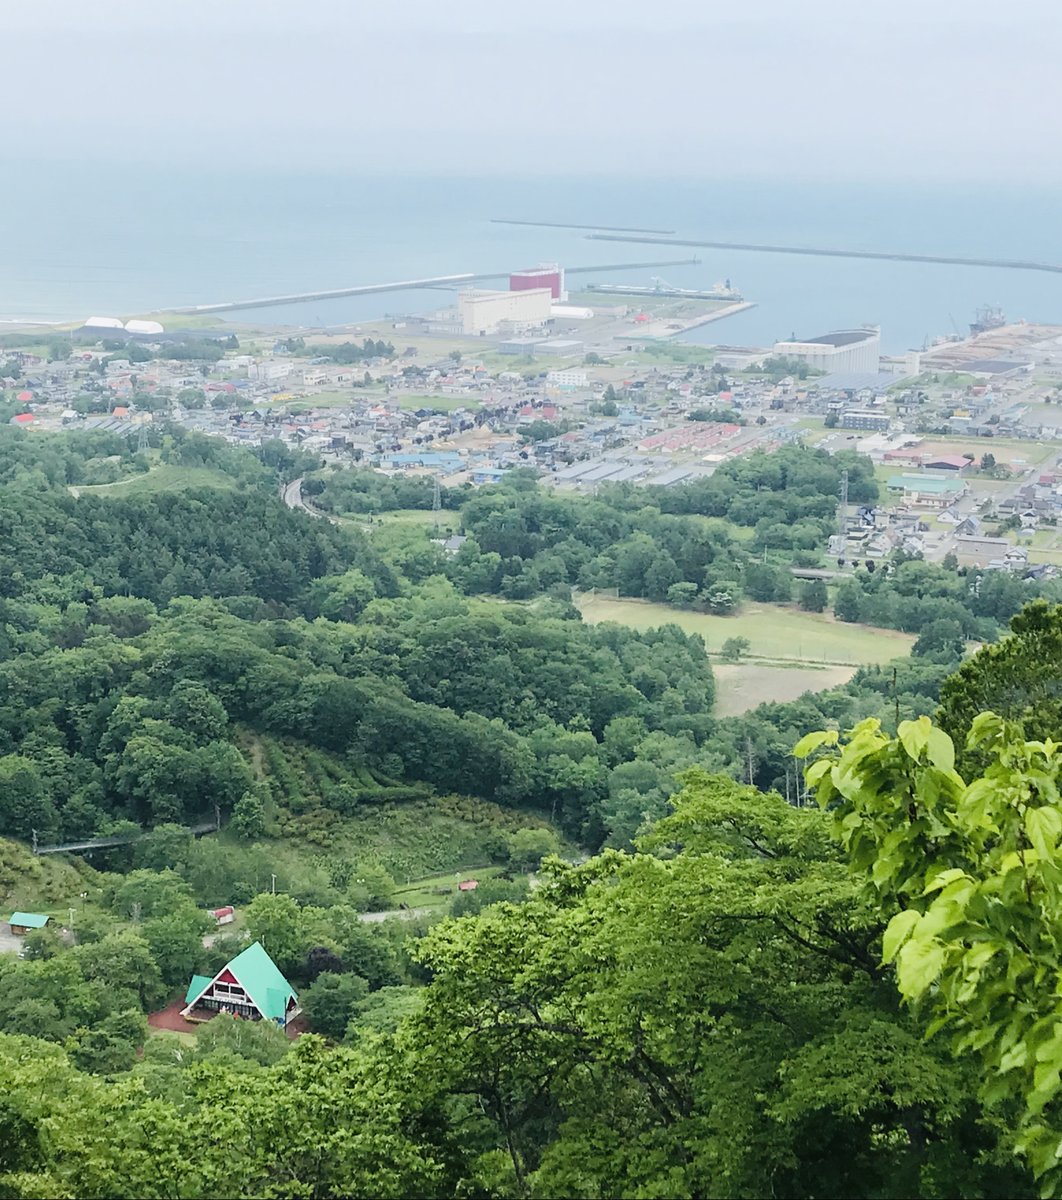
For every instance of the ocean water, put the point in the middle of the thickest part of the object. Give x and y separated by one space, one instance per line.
98 239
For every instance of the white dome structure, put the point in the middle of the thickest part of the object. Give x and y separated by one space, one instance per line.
103 323
143 328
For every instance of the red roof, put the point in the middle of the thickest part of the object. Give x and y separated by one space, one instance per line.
24 396
24 418
226 910
468 885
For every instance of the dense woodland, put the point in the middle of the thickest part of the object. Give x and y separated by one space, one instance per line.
711 544
700 1006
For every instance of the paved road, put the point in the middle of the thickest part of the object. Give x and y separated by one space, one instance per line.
9 942
293 498
407 914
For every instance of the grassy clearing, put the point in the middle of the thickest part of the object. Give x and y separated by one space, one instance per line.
437 891
186 1039
743 686
1021 454
412 516
405 829
412 840
163 478
441 404
331 399
774 631
665 350
45 884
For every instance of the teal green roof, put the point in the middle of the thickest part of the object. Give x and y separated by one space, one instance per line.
196 987
29 920
259 977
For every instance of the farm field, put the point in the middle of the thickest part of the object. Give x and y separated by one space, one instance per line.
774 631
163 478
741 686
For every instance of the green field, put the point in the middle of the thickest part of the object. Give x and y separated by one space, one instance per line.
774 631
442 404
448 519
436 891
163 478
332 399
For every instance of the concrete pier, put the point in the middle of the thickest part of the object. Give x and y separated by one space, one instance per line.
369 289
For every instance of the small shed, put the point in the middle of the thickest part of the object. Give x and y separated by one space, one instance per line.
22 922
468 885
224 915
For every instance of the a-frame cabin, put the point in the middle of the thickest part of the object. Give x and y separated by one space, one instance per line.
251 985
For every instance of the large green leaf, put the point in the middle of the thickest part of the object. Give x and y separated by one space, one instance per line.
918 965
899 930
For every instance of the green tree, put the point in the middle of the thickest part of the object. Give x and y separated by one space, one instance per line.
942 640
24 802
331 1001
1019 677
733 648
813 596
970 874
176 943
682 594
248 816
846 603
528 847
277 921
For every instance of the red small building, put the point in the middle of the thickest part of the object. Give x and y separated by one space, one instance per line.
468 885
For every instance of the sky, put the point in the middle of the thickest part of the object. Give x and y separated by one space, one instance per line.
928 90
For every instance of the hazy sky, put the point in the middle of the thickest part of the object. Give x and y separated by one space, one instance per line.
924 89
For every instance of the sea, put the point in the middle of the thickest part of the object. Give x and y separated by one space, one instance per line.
103 239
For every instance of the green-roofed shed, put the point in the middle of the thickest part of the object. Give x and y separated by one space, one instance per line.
21 922
251 985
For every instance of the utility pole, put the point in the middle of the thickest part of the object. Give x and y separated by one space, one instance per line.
750 761
142 443
273 886
842 510
436 502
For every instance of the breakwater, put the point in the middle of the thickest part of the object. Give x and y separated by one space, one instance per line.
1014 264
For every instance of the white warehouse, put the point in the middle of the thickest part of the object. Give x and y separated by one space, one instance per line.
847 350
486 312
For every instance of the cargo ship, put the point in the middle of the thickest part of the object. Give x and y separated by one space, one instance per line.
988 317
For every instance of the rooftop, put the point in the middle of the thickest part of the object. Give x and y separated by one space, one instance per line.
930 484
843 337
29 920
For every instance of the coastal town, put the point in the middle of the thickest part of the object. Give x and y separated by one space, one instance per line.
592 389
